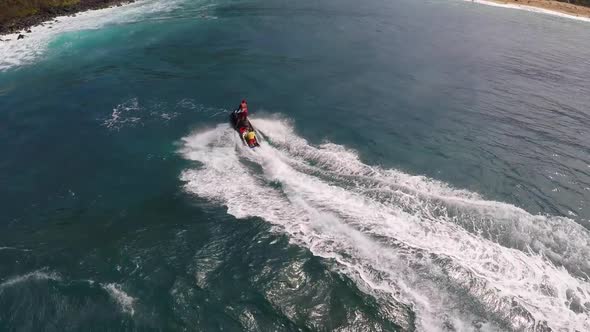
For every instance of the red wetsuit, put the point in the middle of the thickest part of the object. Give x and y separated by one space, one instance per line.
244 109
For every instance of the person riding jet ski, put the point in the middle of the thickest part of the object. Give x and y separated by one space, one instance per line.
243 109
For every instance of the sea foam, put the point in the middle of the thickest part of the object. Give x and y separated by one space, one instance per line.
125 301
41 274
15 53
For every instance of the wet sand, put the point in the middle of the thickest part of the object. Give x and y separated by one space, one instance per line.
546 5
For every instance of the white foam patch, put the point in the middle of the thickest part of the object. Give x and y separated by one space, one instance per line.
532 9
125 301
134 112
13 248
124 114
15 52
32 276
403 238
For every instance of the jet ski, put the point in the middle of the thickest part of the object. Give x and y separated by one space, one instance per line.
243 127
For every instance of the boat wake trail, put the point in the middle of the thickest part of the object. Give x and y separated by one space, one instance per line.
457 261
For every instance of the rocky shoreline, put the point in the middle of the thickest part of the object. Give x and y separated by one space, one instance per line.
47 14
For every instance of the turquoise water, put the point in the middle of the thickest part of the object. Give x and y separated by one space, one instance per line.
425 165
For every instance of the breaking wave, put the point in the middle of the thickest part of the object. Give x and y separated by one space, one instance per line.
14 53
531 9
459 261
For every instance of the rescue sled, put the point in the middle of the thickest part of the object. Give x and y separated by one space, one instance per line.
236 123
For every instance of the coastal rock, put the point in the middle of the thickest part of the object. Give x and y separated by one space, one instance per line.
21 36
47 14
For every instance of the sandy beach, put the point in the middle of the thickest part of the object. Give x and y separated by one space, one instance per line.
543 6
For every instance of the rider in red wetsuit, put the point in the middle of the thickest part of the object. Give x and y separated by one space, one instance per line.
243 109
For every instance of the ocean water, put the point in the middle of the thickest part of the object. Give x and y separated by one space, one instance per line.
424 166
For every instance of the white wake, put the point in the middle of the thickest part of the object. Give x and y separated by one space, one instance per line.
456 259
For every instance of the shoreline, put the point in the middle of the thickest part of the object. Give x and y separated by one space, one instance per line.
21 26
548 7
15 53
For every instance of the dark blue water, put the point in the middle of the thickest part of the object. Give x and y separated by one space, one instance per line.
424 166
